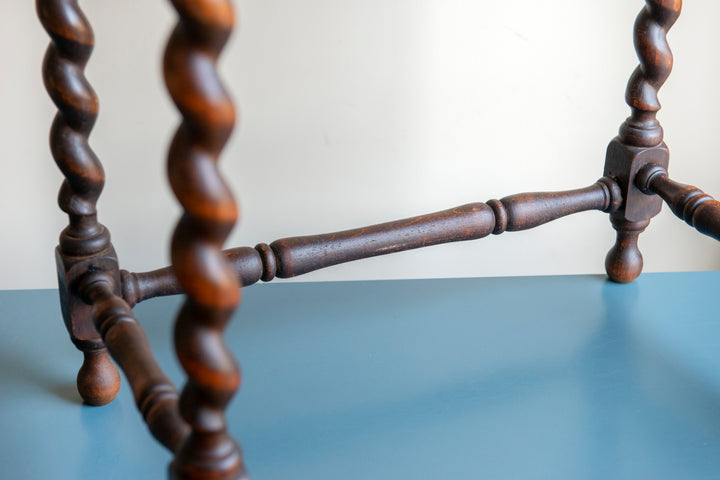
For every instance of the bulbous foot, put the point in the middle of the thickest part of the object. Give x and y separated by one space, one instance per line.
98 380
208 459
624 262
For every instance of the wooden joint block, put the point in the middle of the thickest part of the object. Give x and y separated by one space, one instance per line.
77 313
623 162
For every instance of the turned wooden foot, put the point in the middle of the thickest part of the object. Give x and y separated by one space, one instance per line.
98 380
640 140
85 244
624 262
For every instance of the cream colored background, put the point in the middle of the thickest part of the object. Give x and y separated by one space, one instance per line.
362 112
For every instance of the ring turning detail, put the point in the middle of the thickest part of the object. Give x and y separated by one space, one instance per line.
97 297
642 129
85 243
209 215
640 139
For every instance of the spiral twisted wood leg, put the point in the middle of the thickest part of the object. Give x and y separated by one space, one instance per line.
209 215
640 139
642 128
85 243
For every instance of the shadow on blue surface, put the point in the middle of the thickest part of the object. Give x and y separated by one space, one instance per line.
17 371
523 378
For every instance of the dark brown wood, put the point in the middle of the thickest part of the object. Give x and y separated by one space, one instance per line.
299 255
624 261
246 262
293 256
640 140
92 287
523 211
209 214
687 202
155 395
642 128
98 380
85 243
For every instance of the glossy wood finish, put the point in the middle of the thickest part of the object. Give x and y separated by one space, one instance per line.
294 256
299 255
155 395
85 243
687 202
642 128
96 296
209 214
624 261
640 140
246 262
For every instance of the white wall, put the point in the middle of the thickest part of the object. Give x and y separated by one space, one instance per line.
362 112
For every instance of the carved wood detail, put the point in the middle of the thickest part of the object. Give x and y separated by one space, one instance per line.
85 243
642 129
640 140
155 395
96 297
209 214
689 203
294 256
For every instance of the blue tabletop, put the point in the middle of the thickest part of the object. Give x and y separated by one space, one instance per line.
562 377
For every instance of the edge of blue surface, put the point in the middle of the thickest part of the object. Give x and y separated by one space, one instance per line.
503 377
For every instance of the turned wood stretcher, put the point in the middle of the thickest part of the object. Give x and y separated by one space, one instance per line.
97 297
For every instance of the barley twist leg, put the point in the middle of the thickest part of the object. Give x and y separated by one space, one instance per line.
640 140
209 214
85 243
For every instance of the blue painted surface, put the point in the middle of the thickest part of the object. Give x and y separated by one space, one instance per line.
523 378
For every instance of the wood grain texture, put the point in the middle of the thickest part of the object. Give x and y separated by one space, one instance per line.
294 256
246 262
155 395
687 202
299 255
97 297
640 140
85 243
624 262
642 129
209 215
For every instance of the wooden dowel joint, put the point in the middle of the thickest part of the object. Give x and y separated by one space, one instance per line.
155 396
689 203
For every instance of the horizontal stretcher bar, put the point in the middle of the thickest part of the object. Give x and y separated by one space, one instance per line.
289 257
